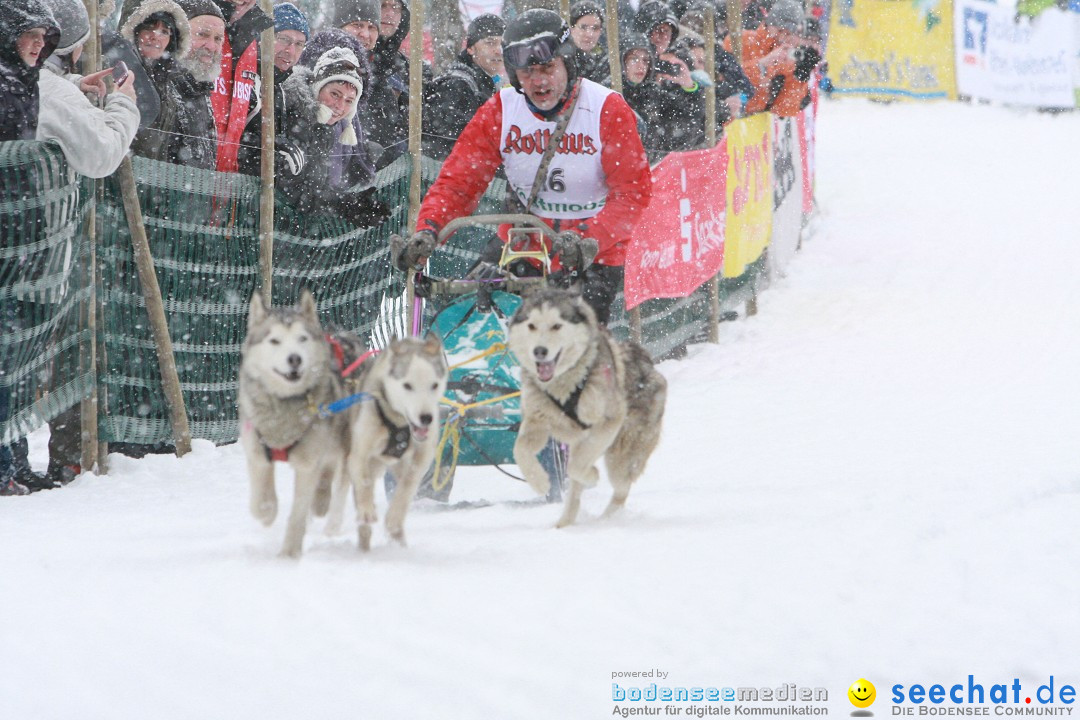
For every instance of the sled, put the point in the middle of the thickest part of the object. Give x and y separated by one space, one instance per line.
482 406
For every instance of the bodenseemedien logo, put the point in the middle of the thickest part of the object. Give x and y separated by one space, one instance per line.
862 695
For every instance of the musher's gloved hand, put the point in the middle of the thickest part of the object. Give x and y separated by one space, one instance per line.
412 253
574 251
290 157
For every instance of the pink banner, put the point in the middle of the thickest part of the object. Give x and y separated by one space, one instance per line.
807 129
679 242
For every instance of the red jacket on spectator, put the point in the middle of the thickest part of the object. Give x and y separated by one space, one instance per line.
478 154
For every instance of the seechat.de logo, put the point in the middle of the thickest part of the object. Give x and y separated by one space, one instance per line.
862 694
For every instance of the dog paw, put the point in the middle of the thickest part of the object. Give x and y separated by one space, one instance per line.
265 511
290 553
397 535
539 482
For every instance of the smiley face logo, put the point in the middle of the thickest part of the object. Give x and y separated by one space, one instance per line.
862 693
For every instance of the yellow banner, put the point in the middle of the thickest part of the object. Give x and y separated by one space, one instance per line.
749 191
892 49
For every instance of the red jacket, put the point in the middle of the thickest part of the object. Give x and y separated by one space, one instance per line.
476 157
231 100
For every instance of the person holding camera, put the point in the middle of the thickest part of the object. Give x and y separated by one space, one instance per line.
779 60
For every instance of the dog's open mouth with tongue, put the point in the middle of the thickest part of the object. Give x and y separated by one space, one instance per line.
545 369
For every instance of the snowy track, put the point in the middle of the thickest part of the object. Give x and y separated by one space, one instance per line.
878 476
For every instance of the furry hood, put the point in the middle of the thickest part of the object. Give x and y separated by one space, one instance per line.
135 12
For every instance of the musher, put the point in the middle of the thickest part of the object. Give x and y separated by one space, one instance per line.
593 189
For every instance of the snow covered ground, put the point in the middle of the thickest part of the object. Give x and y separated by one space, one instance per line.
877 476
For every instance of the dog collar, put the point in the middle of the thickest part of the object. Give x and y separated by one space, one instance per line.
398 442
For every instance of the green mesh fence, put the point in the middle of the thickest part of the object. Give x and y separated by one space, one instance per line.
203 232
43 287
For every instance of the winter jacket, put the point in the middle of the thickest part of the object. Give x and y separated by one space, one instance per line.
622 165
233 91
387 116
94 141
333 174
18 83
249 157
450 102
780 87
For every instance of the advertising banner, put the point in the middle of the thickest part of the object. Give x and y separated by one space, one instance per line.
787 194
679 242
892 50
749 191
1025 61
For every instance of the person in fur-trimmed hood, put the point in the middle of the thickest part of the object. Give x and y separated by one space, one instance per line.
161 34
318 133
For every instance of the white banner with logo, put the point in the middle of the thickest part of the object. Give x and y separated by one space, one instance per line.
1020 62
787 195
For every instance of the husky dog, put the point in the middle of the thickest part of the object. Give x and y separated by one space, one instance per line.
288 368
395 427
580 386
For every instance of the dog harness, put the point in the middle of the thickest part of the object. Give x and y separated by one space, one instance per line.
569 408
398 442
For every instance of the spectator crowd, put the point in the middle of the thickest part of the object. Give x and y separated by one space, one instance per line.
187 90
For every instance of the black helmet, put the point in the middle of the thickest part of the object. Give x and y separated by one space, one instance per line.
536 37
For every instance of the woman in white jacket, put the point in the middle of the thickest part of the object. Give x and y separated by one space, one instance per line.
94 140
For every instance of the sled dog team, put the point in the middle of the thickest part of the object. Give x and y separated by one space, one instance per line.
342 418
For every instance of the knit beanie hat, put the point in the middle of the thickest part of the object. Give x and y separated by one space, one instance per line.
786 15
585 7
74 24
288 17
338 65
484 26
195 8
349 11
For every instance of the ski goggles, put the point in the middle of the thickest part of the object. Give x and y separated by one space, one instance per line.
538 50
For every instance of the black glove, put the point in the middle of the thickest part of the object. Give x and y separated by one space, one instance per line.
362 208
573 250
412 253
290 158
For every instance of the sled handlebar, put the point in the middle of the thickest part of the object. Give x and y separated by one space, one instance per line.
502 219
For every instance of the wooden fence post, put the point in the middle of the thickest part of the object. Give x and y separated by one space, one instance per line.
266 191
710 141
170 380
416 116
88 409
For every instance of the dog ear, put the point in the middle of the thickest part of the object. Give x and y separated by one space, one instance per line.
308 308
432 344
256 311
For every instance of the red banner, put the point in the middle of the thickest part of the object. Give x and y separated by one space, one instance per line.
807 120
679 242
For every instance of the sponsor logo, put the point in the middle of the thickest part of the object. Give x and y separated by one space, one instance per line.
537 142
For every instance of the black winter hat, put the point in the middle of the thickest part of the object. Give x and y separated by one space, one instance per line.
654 13
195 8
585 7
484 26
349 11
74 24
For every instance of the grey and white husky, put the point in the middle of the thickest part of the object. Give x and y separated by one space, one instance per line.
395 427
580 386
289 367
